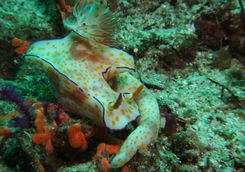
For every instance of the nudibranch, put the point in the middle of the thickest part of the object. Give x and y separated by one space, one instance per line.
94 80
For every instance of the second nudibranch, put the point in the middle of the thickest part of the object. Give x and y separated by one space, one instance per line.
94 80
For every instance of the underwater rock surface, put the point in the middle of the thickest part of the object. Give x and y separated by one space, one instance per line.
27 20
189 53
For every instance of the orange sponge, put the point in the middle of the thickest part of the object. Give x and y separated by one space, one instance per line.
5 132
16 42
100 148
112 149
76 137
43 135
21 45
125 169
39 122
105 164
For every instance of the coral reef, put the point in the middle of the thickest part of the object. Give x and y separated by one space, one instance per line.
27 20
189 53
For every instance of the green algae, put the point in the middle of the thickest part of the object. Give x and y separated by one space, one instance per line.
216 124
4 167
89 167
34 83
166 25
17 18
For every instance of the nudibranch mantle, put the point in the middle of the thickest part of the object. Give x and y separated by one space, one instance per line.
80 72
94 80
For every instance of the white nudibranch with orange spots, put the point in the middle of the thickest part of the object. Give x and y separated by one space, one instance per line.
94 80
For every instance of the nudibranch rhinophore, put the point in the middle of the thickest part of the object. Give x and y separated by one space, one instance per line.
94 80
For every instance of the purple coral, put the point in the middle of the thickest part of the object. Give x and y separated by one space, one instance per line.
9 93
